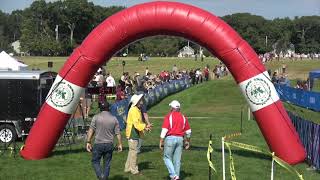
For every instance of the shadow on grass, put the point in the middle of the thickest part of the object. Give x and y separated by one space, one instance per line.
183 175
245 153
198 148
145 165
68 151
151 148
118 177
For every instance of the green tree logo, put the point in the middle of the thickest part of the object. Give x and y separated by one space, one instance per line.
258 91
62 95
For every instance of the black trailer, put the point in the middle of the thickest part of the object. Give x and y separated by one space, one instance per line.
21 95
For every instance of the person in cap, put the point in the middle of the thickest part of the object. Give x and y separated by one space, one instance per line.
145 119
134 130
175 133
105 127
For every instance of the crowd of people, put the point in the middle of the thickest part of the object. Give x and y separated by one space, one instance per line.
303 84
220 71
128 84
282 78
270 56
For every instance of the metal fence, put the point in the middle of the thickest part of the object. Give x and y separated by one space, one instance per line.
309 133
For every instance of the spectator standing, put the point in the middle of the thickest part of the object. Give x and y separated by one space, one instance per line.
192 76
174 127
174 69
206 73
198 76
123 80
284 67
275 78
119 93
101 79
145 118
305 85
287 81
111 84
105 127
102 94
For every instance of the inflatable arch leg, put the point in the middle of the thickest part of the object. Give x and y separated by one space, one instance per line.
168 18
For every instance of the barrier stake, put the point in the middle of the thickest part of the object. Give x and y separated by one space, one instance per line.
249 113
223 160
272 166
210 160
241 120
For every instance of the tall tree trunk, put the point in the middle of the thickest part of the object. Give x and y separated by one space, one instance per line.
71 26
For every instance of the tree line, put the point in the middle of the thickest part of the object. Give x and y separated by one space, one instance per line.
56 28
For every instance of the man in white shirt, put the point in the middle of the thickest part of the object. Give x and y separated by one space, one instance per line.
111 84
99 79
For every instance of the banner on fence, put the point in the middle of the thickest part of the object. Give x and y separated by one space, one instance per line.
299 97
120 108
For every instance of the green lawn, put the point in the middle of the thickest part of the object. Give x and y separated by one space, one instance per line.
219 100
155 64
224 118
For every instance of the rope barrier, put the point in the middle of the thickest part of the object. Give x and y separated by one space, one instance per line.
258 150
210 150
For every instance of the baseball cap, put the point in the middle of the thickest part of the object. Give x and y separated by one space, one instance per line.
175 104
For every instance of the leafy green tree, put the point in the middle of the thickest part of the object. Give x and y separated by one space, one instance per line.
251 27
57 27
3 28
306 35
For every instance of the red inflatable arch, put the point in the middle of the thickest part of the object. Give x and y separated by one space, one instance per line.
166 18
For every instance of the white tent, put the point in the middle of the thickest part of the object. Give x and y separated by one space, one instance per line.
9 63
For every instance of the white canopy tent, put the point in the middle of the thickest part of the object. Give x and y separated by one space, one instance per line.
9 63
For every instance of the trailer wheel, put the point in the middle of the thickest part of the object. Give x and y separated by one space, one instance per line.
7 133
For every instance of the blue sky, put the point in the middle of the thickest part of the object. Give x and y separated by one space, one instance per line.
269 9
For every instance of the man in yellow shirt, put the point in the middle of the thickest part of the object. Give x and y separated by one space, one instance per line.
134 130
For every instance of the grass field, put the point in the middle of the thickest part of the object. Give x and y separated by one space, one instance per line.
219 100
114 65
296 70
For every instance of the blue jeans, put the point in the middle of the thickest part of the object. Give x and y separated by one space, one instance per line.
102 151
173 146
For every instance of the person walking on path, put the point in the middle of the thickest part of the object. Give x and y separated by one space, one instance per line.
134 130
175 126
145 119
105 127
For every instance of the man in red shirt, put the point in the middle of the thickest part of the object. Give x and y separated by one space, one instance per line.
175 126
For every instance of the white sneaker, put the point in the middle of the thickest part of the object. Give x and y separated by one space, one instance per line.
175 178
